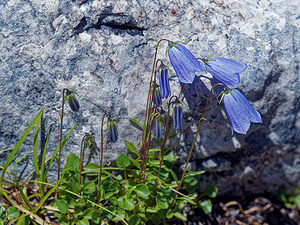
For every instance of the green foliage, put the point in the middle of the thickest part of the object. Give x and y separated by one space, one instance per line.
127 198
289 200
141 189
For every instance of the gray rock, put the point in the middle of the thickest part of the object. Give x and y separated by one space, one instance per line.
104 50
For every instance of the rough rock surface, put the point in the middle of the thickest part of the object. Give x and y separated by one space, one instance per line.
104 50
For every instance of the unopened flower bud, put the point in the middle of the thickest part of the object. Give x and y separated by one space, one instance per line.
177 116
112 131
73 103
157 128
157 99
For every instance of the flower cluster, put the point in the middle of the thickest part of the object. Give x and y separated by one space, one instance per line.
239 111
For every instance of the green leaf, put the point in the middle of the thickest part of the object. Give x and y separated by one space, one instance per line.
131 147
63 206
92 169
43 177
195 173
142 191
123 161
1 209
114 187
136 124
297 201
180 216
35 146
12 212
134 220
162 203
89 187
125 203
73 163
136 163
120 213
206 206
211 191
83 222
192 181
57 149
18 145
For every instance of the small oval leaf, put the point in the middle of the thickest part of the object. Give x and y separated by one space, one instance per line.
123 161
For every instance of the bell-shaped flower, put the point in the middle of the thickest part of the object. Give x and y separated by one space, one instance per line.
239 111
157 128
164 85
157 101
225 70
112 131
177 116
72 100
184 62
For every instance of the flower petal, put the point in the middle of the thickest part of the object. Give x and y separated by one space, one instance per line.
226 70
199 67
237 113
253 114
184 70
228 66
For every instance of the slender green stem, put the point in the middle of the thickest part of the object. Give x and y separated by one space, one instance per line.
81 157
162 147
147 149
101 159
182 85
194 142
149 99
148 109
60 136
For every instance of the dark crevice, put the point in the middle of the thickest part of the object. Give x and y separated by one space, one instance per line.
81 26
118 22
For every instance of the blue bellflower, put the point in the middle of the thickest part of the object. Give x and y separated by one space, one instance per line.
177 117
164 85
184 62
112 131
239 111
225 70
157 129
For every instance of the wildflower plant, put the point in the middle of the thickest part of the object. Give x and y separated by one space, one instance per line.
143 187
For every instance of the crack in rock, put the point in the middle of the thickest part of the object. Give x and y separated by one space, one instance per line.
117 22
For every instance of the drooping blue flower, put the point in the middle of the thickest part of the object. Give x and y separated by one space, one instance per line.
157 128
225 70
239 111
184 62
164 85
157 101
112 133
177 116
72 100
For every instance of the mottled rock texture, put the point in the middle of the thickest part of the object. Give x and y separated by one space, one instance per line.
104 50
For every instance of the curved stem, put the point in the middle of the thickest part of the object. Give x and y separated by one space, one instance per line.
81 158
60 136
101 158
180 90
194 142
148 110
147 147
149 100
162 147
